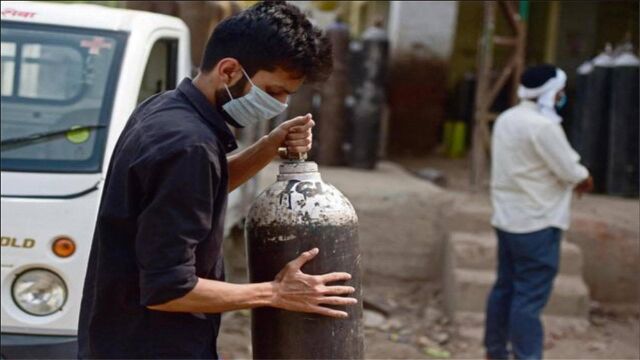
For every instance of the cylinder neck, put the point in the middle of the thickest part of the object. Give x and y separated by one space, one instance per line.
298 170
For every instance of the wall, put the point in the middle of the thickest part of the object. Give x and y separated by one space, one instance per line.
421 39
611 251
429 24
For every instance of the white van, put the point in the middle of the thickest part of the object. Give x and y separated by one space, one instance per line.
71 76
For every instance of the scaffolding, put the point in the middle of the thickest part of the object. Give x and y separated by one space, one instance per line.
488 88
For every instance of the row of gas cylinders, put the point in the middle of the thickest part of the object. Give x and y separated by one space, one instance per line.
604 128
349 106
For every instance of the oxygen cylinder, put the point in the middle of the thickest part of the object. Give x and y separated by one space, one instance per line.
295 214
370 58
579 104
622 172
332 112
595 129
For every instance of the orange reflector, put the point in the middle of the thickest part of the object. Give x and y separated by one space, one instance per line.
64 247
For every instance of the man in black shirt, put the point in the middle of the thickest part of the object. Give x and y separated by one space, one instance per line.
154 286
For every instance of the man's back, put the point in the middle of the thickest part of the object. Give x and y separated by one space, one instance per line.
533 169
167 156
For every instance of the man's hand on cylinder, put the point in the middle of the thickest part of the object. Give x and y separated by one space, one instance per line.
294 134
297 291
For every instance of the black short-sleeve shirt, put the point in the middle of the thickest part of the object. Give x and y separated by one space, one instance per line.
159 228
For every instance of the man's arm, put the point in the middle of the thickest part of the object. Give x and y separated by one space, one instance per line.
290 290
173 222
295 134
552 145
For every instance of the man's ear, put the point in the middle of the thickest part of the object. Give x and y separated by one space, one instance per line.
228 71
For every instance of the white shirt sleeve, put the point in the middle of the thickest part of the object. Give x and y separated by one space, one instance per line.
552 145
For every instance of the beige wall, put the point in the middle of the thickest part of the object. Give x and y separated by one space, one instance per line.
429 25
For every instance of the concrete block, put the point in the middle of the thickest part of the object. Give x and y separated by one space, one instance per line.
570 296
470 272
604 228
469 216
479 251
386 204
611 252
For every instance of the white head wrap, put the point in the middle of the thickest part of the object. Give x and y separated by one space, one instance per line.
546 94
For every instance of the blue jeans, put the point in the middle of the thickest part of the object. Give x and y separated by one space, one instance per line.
527 266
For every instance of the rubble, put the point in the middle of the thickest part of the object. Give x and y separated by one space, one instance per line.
379 304
442 337
597 346
433 175
432 315
437 353
373 319
425 341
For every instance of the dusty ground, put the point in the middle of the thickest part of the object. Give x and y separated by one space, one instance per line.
416 328
413 332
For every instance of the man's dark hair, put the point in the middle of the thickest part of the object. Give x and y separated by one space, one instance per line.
270 35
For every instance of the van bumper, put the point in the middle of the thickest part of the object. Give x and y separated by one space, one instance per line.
21 346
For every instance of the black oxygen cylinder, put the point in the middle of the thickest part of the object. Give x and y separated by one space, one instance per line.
369 95
579 103
595 121
331 124
295 214
622 170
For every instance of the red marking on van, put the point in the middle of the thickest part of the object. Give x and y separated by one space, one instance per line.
95 45
18 13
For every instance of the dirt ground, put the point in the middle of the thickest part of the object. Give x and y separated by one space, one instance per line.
416 327
414 332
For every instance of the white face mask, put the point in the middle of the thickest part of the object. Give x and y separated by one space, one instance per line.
254 107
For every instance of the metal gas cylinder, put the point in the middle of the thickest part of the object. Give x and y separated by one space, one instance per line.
595 119
333 92
623 170
295 214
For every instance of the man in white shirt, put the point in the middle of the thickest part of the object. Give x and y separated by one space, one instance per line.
534 172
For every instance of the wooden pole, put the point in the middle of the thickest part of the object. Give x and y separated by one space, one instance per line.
486 89
485 59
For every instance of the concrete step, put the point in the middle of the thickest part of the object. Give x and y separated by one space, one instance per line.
470 272
609 242
468 215
478 251
469 290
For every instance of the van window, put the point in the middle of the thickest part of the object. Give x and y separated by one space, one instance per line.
55 79
48 71
160 72
8 52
